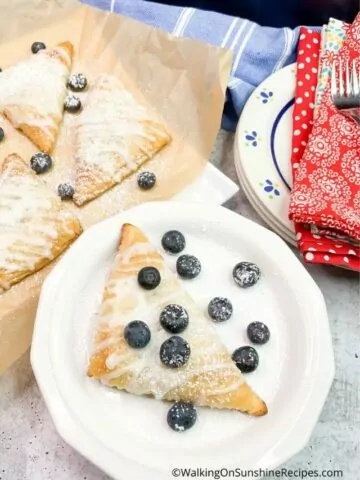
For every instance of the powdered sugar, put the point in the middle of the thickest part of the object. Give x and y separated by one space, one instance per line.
115 133
30 222
32 91
124 301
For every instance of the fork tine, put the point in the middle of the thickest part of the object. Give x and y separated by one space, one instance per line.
355 81
341 82
333 80
348 87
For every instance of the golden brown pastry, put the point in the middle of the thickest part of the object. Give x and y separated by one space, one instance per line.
115 135
209 378
32 94
35 227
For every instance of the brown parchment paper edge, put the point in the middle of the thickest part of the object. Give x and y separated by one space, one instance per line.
18 305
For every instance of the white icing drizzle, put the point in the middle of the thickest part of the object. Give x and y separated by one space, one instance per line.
149 376
111 129
134 250
29 222
33 91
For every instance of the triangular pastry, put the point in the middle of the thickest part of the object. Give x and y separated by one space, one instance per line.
32 94
115 135
210 378
35 227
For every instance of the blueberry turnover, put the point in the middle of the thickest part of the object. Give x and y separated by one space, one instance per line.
149 278
173 242
220 309
258 333
146 180
41 162
188 266
77 82
181 416
72 104
174 318
2 134
137 334
37 46
38 115
175 352
127 143
246 274
246 359
66 191
35 227
193 366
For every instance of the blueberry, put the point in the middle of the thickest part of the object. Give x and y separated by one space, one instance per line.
146 180
188 266
246 359
72 104
149 278
181 416
137 334
40 162
258 333
174 318
37 46
2 134
173 241
175 352
66 191
77 82
220 309
246 274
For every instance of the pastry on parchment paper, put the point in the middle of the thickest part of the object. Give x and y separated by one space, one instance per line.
32 94
115 135
35 226
209 378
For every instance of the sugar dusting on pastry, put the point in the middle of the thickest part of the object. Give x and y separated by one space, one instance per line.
158 380
32 92
31 221
114 136
209 377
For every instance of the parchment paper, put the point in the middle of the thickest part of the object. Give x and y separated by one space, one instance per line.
182 80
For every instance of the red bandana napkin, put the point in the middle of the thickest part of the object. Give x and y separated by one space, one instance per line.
325 201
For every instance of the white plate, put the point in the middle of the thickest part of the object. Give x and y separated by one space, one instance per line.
263 143
127 436
263 213
212 187
244 182
272 222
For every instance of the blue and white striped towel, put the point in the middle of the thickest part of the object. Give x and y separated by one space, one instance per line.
258 51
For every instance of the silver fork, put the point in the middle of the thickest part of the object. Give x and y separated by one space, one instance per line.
346 95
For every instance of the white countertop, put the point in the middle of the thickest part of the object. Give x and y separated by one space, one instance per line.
30 448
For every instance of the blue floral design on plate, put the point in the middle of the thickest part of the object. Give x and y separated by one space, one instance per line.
271 188
252 138
336 30
266 96
333 46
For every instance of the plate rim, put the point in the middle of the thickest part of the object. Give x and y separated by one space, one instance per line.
288 236
225 187
89 446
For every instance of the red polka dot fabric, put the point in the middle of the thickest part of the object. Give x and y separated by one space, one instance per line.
325 200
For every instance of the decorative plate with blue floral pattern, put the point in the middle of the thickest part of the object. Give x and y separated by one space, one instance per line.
263 149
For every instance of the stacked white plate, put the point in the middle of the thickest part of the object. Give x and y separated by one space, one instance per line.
262 150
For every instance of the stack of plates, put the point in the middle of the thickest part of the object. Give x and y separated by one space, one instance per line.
262 150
